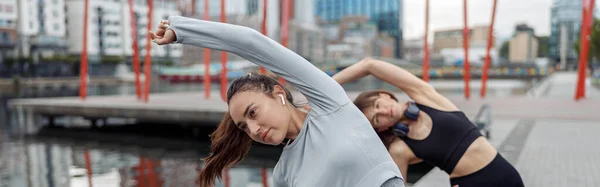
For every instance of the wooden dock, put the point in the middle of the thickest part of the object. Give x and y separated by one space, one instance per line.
191 107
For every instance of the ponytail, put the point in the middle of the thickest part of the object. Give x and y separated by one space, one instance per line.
229 146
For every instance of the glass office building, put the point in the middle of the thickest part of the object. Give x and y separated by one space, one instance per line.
565 24
386 14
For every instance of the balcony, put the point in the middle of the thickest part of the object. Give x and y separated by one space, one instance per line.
45 41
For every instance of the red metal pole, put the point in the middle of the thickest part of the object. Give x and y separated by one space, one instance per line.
426 44
84 60
193 7
151 173
284 28
136 56
265 179
141 172
466 67
148 58
207 81
587 20
223 59
88 165
486 65
263 28
583 52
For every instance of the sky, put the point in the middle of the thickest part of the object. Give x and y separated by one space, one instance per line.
449 14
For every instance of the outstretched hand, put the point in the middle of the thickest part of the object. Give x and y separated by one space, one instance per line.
162 35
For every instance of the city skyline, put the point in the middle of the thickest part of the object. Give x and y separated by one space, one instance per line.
449 14
444 15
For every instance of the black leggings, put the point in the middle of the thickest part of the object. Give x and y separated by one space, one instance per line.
498 173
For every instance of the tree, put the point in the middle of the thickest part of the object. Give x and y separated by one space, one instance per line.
542 46
504 49
594 44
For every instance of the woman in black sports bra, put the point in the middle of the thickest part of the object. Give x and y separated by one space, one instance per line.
438 132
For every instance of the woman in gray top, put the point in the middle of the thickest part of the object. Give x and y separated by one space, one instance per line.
332 145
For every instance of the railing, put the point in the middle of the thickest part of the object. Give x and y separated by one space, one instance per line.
483 119
49 41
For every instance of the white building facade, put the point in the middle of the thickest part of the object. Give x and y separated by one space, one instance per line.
42 28
8 27
110 29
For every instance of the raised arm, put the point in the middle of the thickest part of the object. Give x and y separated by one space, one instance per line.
321 90
417 89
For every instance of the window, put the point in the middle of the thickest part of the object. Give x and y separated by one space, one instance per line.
252 7
8 8
5 37
56 27
112 34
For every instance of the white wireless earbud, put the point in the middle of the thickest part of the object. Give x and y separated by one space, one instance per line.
282 99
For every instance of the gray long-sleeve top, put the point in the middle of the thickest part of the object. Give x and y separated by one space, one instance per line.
336 145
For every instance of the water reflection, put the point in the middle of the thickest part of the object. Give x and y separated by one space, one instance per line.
44 162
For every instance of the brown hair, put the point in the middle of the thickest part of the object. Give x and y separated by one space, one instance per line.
229 144
365 100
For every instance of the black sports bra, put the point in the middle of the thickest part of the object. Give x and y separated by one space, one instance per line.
451 134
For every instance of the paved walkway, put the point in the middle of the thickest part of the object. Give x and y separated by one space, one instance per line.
546 152
561 153
563 84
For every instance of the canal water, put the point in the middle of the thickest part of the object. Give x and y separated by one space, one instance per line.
147 154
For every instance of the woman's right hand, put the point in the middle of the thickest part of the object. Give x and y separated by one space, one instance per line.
163 35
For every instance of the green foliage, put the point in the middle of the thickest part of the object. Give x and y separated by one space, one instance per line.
594 44
10 62
165 63
112 59
542 46
62 58
504 49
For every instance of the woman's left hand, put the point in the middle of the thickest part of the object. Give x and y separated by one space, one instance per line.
162 35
